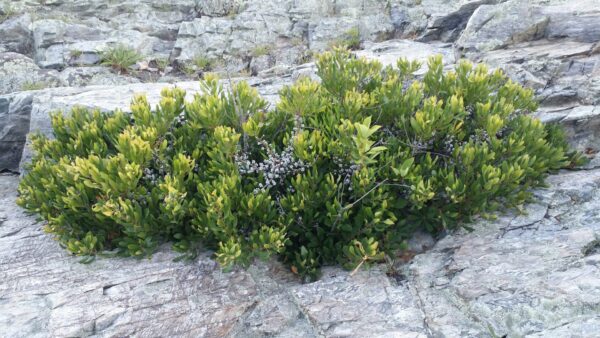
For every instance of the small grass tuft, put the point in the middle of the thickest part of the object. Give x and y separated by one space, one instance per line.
261 50
120 57
162 63
203 62
7 13
350 40
199 63
75 53
33 85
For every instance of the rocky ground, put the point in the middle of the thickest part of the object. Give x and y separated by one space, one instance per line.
534 274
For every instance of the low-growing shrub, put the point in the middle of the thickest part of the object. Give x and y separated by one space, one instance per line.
120 57
341 171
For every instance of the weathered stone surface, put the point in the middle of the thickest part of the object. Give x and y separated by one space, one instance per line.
58 43
388 52
326 32
581 124
16 35
446 25
522 275
71 33
282 25
515 21
494 27
203 37
93 76
18 72
577 20
563 72
219 7
15 114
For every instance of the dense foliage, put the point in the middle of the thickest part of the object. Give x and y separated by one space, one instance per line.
340 171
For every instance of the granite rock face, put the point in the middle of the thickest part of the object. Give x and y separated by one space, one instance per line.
15 112
20 73
232 33
529 274
16 35
497 26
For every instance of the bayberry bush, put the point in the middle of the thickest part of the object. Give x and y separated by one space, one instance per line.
341 171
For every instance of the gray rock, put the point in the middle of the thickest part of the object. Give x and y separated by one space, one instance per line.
357 8
376 27
399 18
581 124
202 37
447 26
215 8
18 72
261 63
577 20
48 43
93 76
388 52
58 43
16 35
561 71
494 27
519 275
328 31
14 125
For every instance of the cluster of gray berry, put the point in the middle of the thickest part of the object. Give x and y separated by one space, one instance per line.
470 111
345 170
365 82
481 137
274 169
156 171
180 119
405 85
506 129
503 132
419 145
449 144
